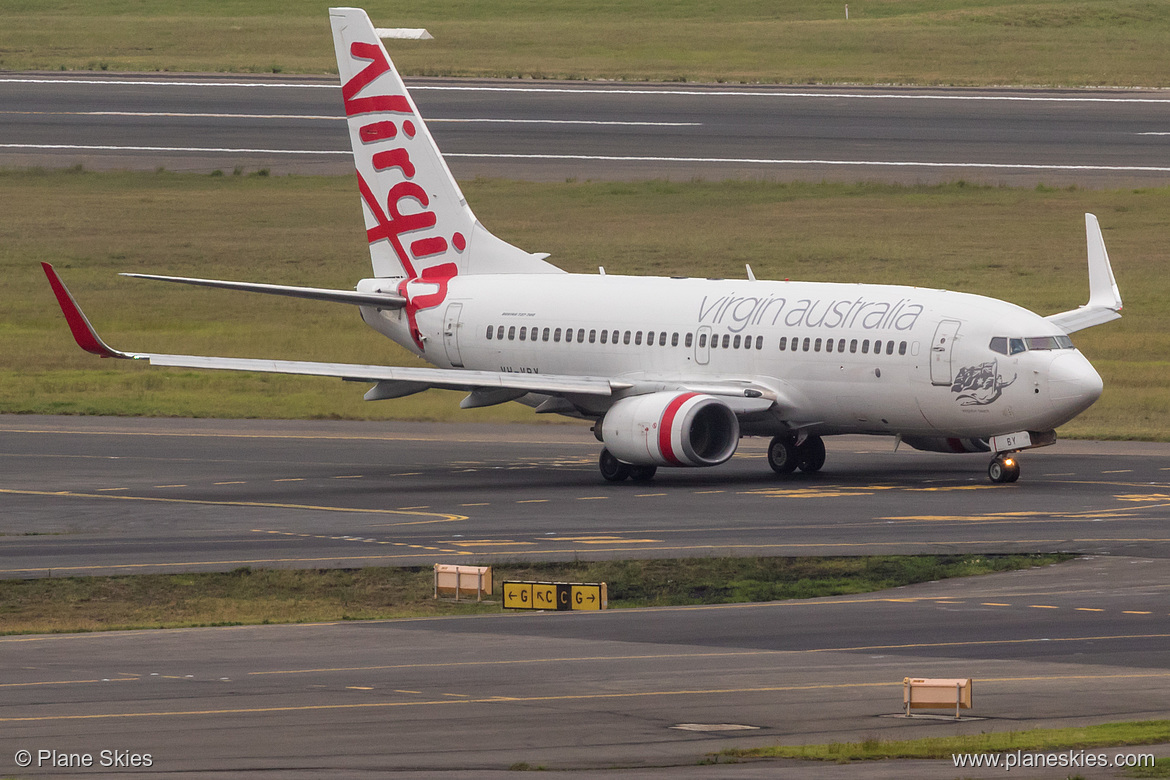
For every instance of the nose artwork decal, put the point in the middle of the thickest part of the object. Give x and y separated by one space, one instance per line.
980 385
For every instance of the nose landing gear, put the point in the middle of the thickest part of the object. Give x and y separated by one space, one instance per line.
1004 468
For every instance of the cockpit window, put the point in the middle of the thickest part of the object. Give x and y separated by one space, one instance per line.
1050 342
1005 346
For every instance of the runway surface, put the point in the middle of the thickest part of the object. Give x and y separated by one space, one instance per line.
105 495
654 690
550 131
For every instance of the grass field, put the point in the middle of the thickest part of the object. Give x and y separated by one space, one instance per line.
248 596
1150 732
1026 246
963 42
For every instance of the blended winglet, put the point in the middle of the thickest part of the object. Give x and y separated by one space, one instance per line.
1104 296
83 332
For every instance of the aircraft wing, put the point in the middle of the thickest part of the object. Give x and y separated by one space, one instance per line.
487 387
406 378
1104 298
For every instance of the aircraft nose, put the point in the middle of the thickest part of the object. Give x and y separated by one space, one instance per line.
1073 383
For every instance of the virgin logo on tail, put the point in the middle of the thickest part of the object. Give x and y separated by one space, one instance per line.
401 214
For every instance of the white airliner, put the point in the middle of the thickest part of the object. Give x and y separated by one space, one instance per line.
673 372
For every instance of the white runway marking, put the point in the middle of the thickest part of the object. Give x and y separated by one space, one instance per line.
616 158
644 90
766 161
179 114
192 114
666 91
570 122
84 148
146 83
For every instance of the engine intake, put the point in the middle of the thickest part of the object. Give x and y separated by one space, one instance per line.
671 429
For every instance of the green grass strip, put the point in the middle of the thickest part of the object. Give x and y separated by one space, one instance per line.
1026 246
987 42
1150 732
261 596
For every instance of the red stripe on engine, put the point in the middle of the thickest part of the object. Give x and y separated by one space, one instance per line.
666 424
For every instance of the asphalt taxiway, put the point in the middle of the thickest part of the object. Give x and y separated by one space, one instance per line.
114 496
650 691
552 131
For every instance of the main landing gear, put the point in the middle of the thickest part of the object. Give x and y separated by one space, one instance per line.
1004 468
615 471
787 454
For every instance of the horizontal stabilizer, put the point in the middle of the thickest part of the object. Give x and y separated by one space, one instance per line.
383 299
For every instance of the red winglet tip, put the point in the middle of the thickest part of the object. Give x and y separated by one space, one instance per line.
83 333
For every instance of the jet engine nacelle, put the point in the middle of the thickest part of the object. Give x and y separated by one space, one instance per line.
671 429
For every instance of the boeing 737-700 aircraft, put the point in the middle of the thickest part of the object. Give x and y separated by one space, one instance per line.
673 372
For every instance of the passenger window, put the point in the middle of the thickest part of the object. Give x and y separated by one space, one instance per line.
865 347
523 333
828 345
759 342
853 346
726 340
557 335
806 343
735 344
817 345
614 338
877 347
626 338
568 335
638 338
544 336
714 341
783 343
999 344
674 339
662 339
604 336
580 335
889 347
512 333
1017 346
592 336
841 345
491 330
500 333
689 341
702 340
650 338
902 348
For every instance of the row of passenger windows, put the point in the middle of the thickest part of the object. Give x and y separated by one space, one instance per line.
524 333
1009 346
717 341
838 345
